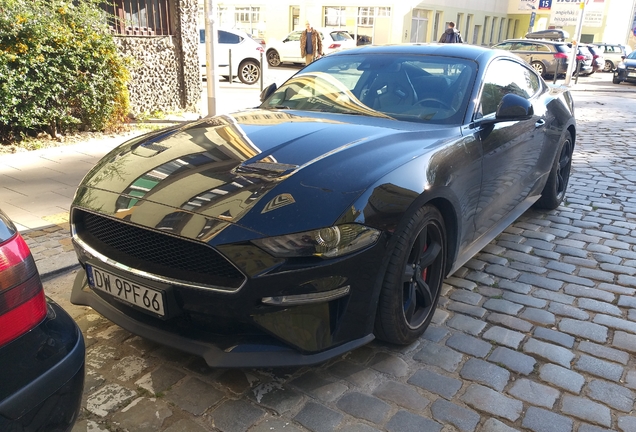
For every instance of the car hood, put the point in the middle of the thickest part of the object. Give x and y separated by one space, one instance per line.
629 62
267 171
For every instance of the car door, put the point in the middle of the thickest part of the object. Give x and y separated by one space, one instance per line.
511 149
227 41
290 48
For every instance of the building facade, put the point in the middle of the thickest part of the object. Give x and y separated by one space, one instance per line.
481 22
162 38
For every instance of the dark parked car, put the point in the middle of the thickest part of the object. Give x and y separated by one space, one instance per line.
546 57
584 60
361 39
626 70
41 347
330 215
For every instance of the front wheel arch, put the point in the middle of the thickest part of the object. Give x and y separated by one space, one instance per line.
412 282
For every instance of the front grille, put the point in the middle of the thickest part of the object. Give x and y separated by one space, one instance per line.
156 253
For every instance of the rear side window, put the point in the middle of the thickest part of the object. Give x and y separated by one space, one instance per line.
340 36
229 38
563 48
503 77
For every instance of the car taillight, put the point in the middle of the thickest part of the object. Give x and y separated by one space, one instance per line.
260 49
580 57
334 45
22 302
560 56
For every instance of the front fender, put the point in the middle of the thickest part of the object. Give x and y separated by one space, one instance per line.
448 178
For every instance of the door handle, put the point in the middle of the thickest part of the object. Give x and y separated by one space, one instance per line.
539 123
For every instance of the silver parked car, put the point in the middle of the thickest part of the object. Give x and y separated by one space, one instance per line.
612 54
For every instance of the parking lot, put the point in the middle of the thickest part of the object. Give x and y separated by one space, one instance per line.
537 332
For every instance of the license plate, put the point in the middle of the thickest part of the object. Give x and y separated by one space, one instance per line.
131 292
631 74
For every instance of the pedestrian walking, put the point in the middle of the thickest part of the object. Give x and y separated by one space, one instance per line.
310 44
451 35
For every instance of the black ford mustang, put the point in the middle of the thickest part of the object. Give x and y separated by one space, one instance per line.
296 231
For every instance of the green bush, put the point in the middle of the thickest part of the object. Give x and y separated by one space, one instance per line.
59 69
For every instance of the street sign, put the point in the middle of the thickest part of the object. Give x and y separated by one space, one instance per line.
533 15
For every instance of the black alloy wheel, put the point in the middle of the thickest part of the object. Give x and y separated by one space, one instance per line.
413 279
557 183
273 58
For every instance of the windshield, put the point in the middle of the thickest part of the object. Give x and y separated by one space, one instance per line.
632 55
431 89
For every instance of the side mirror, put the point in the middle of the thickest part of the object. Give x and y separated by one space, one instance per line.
267 91
514 107
285 40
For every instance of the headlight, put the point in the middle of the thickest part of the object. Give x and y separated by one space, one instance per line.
325 242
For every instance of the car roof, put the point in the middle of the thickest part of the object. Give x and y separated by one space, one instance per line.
543 41
471 52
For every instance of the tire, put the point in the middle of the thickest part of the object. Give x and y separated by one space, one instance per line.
539 68
273 59
616 80
249 72
609 66
557 184
413 279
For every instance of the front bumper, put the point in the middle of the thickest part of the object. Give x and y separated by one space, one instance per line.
625 75
42 374
244 351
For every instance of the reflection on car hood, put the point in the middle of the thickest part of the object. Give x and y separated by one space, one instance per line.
630 63
223 167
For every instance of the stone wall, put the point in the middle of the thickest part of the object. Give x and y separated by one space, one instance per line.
165 74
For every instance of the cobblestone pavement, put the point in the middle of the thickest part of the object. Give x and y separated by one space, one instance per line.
537 332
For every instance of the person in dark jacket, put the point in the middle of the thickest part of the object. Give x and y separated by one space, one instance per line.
310 44
451 35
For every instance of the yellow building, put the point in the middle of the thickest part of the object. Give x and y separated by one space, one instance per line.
481 22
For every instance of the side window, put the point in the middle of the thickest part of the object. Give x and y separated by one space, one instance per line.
543 48
504 46
294 36
229 38
503 77
524 46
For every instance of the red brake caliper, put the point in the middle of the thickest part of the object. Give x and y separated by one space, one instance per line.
424 271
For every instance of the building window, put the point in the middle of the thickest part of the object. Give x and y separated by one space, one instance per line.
247 14
469 19
139 17
367 15
483 36
492 30
335 16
